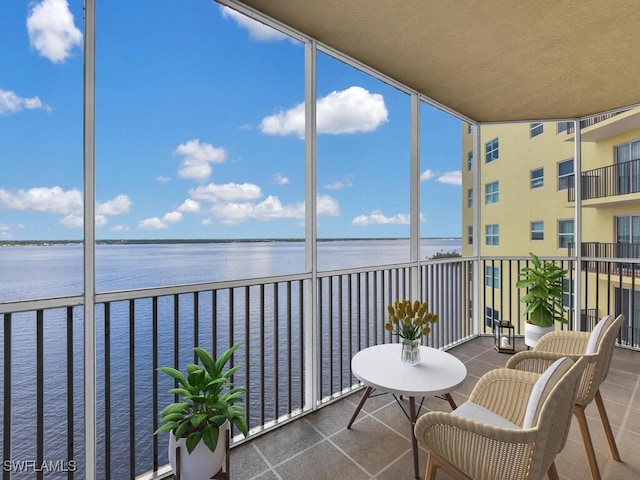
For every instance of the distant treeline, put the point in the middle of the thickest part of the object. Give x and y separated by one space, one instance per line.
40 243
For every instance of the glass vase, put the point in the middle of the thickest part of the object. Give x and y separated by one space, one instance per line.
410 351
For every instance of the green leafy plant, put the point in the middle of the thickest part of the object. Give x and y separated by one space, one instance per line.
208 398
410 320
543 282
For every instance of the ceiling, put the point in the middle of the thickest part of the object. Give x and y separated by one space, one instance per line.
490 60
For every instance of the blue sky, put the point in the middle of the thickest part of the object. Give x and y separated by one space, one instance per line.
199 131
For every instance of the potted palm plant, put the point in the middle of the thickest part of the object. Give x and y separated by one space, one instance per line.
543 281
198 423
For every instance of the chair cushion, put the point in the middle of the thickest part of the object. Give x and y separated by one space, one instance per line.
598 333
473 411
542 388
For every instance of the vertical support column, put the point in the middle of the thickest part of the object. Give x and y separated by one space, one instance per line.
89 249
478 276
311 245
577 223
414 180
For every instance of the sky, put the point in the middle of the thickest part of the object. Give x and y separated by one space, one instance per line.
200 131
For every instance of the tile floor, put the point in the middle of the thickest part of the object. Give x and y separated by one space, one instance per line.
318 446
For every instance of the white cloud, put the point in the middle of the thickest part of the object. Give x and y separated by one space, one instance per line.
451 178
278 179
257 31
56 201
197 158
156 223
76 220
43 199
326 205
427 175
162 179
189 206
228 192
378 218
10 102
207 221
340 184
52 31
348 111
116 206
120 228
270 209
153 223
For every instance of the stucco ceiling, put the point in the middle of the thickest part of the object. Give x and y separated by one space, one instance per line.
490 60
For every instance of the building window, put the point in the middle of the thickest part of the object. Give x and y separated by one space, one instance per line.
565 233
536 129
491 150
564 126
490 315
491 193
537 178
565 173
470 160
492 233
567 291
470 234
492 277
627 158
537 230
469 128
470 198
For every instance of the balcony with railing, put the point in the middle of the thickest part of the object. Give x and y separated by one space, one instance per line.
610 181
296 354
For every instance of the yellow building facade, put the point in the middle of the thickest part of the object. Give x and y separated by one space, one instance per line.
526 203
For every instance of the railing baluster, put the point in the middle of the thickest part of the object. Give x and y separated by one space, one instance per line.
154 379
132 389
70 409
262 357
276 352
40 391
107 389
6 398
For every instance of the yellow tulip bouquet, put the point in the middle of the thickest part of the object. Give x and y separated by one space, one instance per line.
410 320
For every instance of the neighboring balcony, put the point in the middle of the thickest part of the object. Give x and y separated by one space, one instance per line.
613 184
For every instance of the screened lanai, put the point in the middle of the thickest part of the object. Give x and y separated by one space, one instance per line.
481 63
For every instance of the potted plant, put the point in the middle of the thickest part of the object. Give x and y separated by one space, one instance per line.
543 281
410 321
199 422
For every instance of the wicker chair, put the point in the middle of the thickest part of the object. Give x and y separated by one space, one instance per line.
597 348
494 445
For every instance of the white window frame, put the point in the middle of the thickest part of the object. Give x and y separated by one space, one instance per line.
536 182
563 184
537 230
562 235
492 150
492 234
492 196
535 129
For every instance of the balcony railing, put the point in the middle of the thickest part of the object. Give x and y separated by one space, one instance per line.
591 121
607 250
139 330
612 180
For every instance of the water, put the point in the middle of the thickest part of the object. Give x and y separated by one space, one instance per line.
50 271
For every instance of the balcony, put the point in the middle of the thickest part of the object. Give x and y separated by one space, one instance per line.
300 384
318 446
618 183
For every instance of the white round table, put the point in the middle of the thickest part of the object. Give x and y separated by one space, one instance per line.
380 368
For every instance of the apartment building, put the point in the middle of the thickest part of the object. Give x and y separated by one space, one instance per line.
527 203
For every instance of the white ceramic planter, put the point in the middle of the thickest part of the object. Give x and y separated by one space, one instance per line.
533 333
201 463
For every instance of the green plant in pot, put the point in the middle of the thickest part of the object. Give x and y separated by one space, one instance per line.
543 281
199 421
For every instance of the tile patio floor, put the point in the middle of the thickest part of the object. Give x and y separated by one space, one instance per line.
318 446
